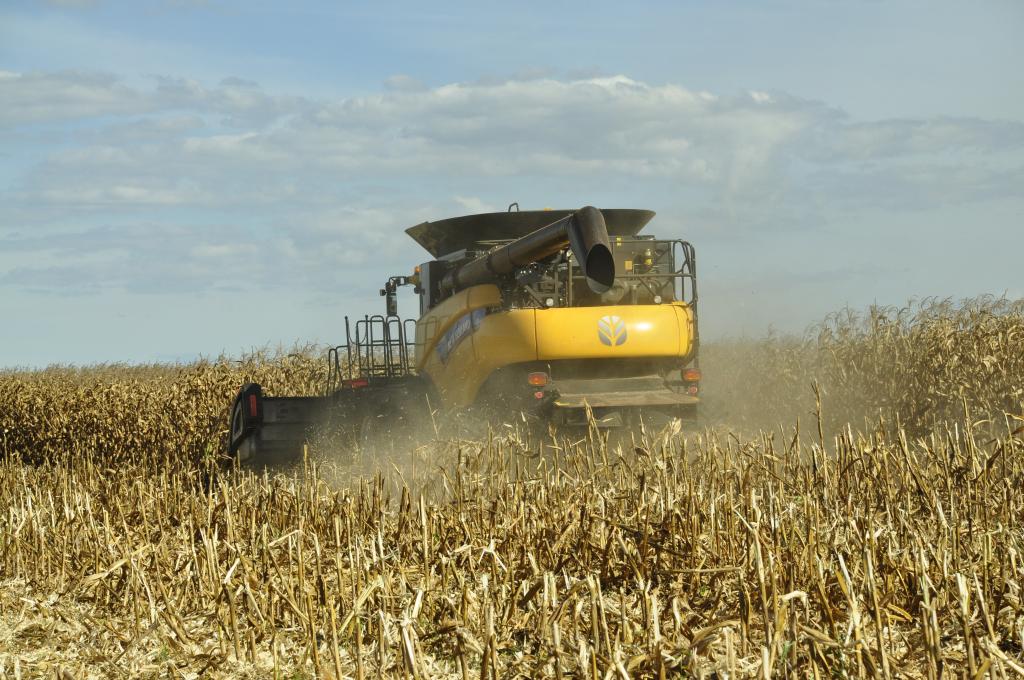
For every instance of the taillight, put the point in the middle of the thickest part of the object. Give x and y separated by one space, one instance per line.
355 382
692 390
691 375
253 406
538 379
538 394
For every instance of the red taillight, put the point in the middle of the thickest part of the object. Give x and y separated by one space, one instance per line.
253 406
691 375
355 382
537 379
538 394
692 390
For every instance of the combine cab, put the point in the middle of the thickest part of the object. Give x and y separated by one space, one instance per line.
565 317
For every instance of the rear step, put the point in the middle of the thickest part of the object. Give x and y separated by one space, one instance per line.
619 402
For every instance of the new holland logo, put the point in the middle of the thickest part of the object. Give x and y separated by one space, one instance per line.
611 330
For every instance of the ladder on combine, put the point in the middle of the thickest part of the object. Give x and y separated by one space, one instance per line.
377 348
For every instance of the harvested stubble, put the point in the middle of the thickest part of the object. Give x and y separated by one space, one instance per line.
745 558
774 555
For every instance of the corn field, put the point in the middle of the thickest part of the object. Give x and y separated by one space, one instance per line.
851 508
914 366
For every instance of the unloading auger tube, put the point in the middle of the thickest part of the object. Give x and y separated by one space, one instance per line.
584 231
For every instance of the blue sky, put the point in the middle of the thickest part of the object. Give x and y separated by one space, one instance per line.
185 178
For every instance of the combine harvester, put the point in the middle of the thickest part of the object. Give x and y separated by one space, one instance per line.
541 315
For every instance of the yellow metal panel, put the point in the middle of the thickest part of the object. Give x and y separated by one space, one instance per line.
478 344
458 377
455 373
435 323
608 332
499 339
687 327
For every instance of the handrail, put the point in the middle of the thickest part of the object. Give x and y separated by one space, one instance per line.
684 269
375 347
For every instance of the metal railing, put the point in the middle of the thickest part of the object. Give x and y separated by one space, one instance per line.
680 268
376 347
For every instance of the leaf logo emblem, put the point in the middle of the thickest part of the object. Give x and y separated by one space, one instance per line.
611 330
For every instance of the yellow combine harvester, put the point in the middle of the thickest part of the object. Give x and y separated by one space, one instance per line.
540 314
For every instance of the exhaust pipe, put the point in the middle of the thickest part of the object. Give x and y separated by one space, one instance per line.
584 232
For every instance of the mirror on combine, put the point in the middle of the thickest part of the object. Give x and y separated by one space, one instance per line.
390 294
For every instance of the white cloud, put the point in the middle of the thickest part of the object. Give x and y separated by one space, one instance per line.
193 185
223 250
68 95
472 205
404 83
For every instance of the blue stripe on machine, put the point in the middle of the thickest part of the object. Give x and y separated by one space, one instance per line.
459 330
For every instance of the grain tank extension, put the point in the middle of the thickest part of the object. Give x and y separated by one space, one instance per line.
556 317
